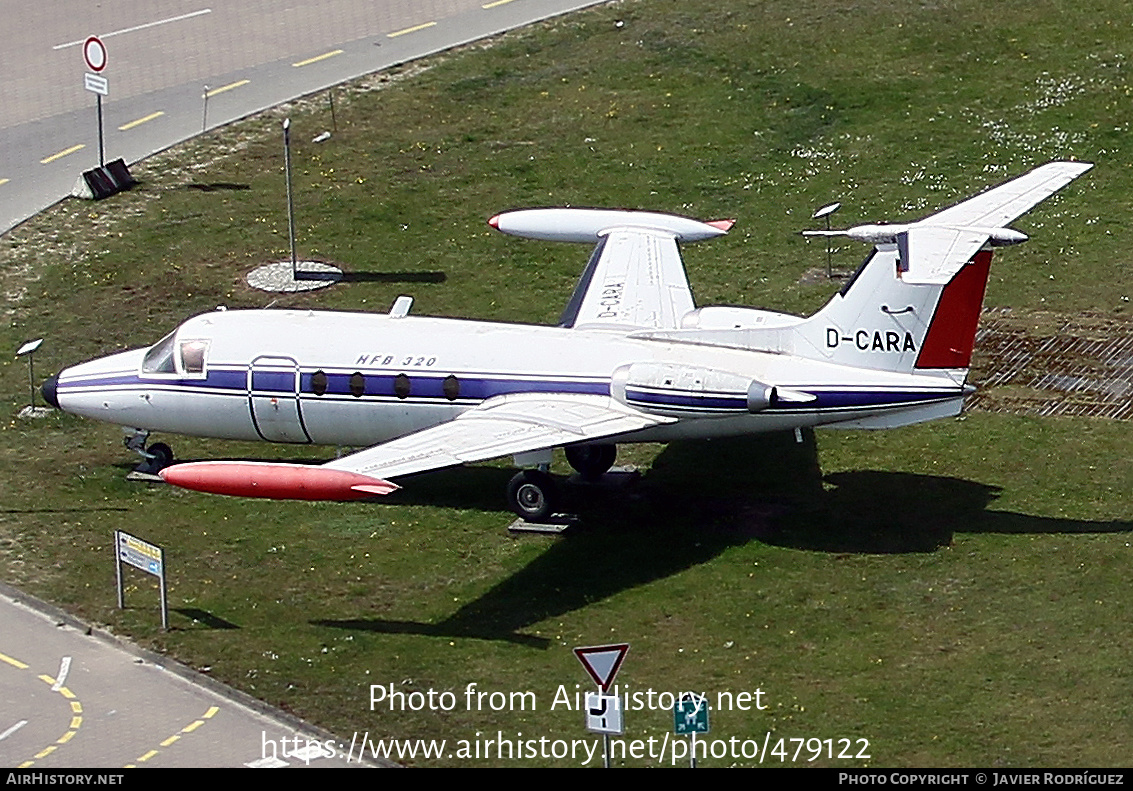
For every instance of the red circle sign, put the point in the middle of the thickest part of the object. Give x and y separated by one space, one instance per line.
94 53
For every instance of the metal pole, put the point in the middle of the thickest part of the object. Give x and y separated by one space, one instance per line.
333 120
101 155
205 118
290 202
118 570
829 272
31 379
164 598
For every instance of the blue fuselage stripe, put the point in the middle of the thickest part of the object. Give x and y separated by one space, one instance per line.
229 381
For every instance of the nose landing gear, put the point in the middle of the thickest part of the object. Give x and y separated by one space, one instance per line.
155 458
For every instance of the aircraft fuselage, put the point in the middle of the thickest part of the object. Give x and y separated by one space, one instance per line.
361 379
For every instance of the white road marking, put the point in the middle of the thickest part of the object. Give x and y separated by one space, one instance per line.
12 730
138 27
61 679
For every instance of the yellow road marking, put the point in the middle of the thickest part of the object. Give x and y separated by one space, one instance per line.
170 740
147 756
192 726
408 30
212 710
140 121
5 181
317 58
493 5
227 87
76 707
47 161
4 657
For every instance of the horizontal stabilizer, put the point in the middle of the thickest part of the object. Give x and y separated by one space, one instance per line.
931 251
1006 203
276 481
590 225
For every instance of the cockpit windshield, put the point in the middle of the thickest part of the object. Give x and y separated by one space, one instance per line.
169 356
159 359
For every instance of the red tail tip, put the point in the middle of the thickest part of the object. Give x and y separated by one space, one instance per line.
723 225
495 222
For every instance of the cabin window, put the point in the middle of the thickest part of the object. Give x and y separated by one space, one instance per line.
451 387
159 359
401 386
319 383
193 356
357 384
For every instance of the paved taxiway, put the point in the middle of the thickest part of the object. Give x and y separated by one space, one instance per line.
69 699
164 57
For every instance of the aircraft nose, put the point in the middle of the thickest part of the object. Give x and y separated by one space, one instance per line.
50 390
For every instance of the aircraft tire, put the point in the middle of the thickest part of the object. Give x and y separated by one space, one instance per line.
533 496
161 456
591 461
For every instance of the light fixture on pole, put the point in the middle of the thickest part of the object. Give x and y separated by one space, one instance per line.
825 212
28 350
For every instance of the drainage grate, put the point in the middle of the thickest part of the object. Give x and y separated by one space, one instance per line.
1043 364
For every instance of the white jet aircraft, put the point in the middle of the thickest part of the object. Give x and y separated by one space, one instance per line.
632 360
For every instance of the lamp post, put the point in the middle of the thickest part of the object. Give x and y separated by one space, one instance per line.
825 212
28 350
290 201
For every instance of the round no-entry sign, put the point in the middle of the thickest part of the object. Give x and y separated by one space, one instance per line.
94 53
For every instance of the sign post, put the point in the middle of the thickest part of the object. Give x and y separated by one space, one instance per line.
603 712
690 716
94 53
143 555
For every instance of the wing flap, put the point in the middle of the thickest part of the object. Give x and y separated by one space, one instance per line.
501 426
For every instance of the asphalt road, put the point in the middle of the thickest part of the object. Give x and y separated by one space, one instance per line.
71 699
165 56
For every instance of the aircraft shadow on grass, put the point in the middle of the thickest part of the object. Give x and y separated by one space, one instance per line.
696 501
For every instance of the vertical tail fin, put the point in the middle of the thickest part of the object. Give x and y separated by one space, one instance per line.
881 321
914 305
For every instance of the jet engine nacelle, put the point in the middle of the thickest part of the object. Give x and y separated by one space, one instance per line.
680 390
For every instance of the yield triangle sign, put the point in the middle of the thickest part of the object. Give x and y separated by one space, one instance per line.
602 662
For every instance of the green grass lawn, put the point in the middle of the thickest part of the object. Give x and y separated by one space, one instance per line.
955 593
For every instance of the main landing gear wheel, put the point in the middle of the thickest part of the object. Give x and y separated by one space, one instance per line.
591 461
532 494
